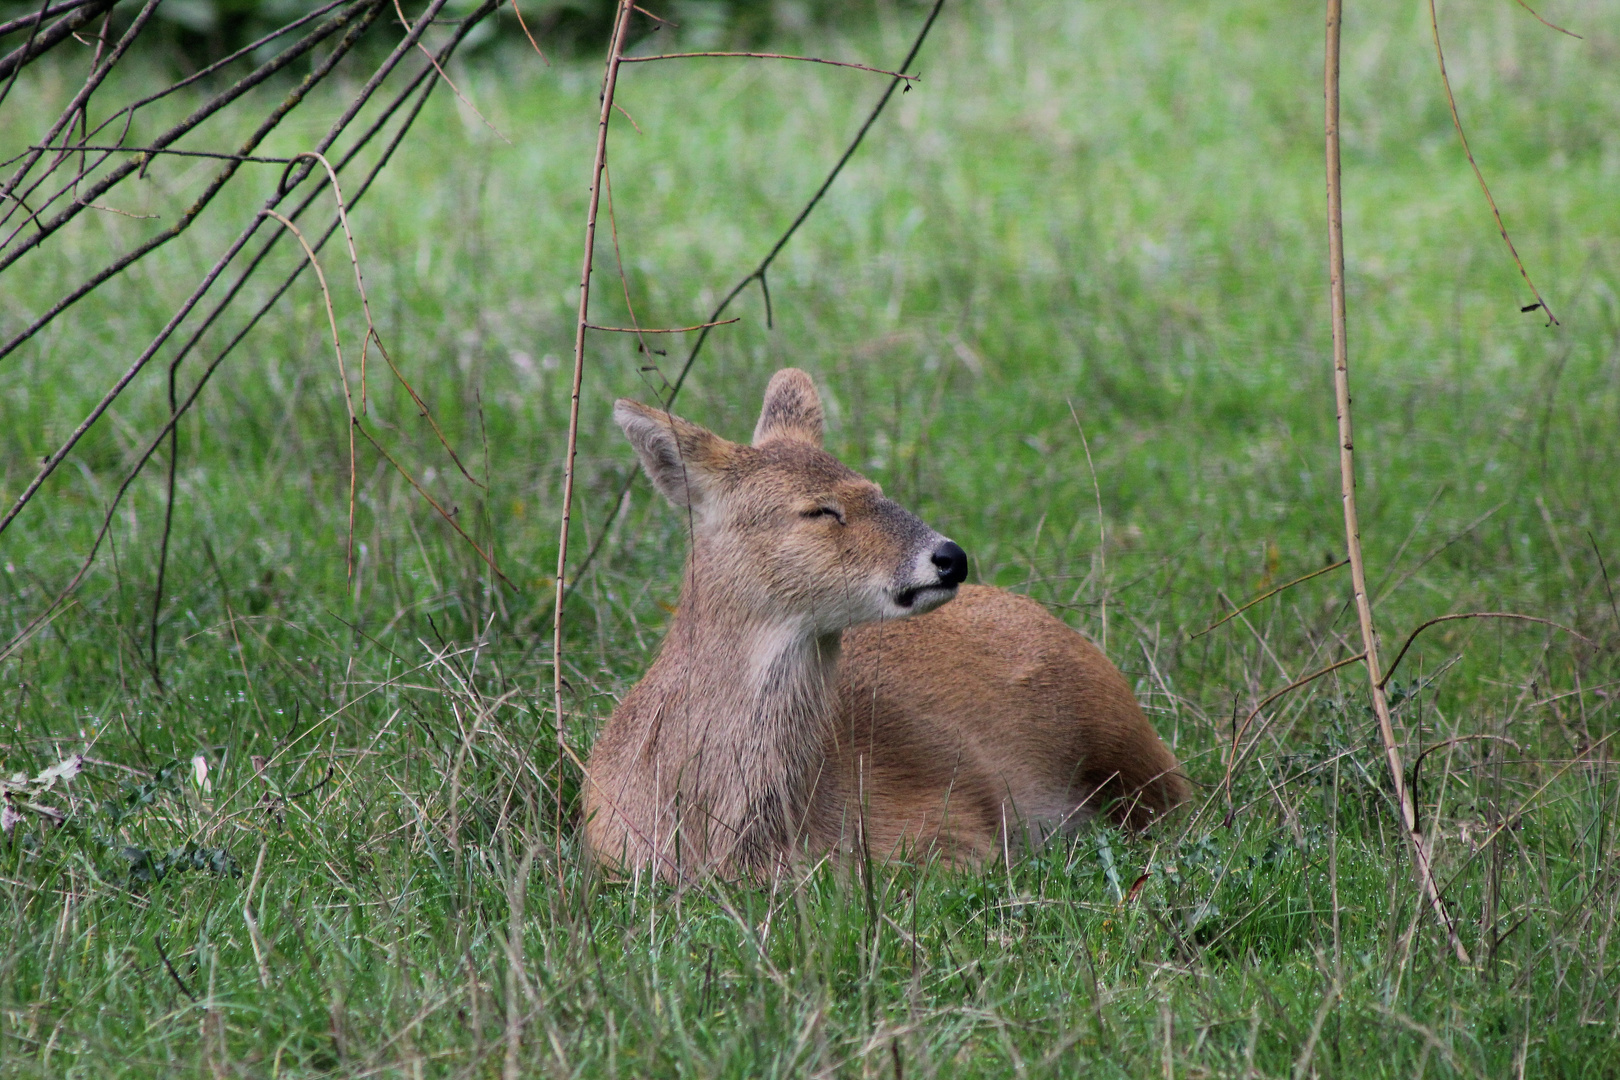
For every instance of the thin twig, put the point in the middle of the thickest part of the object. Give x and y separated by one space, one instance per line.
758 273
1456 121
657 18
1267 596
449 517
624 281
175 409
74 149
343 375
770 56
325 66
37 46
1239 731
128 111
1421 864
366 13
1102 533
173 974
666 330
1443 744
354 261
1544 22
1476 615
447 80
181 408
519 13
48 13
64 122
609 83
1607 587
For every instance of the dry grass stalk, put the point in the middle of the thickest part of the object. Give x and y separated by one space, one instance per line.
1422 865
610 79
343 374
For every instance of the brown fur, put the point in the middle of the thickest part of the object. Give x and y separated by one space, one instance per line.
794 708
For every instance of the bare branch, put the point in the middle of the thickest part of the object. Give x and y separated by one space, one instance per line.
1456 121
769 56
610 80
1544 22
1476 615
665 330
1239 731
1421 863
1267 596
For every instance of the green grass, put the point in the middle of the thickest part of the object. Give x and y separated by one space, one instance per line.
1109 209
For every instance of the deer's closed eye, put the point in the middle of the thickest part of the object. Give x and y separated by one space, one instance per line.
824 511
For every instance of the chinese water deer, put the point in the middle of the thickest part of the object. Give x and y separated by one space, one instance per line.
829 682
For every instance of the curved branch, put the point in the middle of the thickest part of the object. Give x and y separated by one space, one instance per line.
1267 596
1442 744
1242 729
1473 615
1456 122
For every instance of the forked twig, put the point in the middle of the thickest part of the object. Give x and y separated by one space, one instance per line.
354 421
354 261
49 464
1456 121
1422 867
371 327
13 25
420 86
1444 744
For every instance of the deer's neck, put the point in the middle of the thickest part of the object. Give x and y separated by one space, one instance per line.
737 710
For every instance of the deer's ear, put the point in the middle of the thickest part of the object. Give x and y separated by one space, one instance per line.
686 463
792 410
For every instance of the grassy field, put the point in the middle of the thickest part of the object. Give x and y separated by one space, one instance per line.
1090 226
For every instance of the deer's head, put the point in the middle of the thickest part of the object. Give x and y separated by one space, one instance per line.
784 530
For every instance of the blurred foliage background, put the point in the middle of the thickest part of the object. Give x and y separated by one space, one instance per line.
194 32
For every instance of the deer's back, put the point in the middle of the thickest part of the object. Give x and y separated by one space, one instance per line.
986 710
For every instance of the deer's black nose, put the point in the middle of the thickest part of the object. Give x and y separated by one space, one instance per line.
951 562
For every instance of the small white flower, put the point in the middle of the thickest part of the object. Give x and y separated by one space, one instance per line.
199 773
